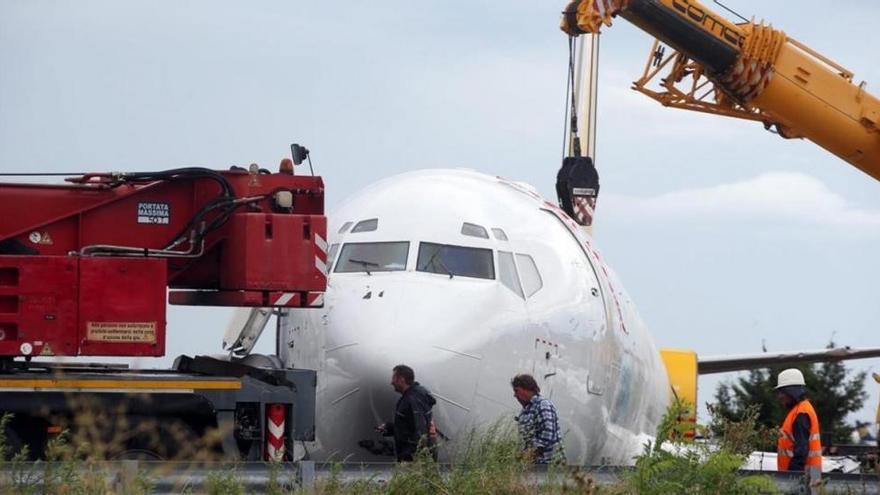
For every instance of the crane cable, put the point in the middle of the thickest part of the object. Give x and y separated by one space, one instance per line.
571 145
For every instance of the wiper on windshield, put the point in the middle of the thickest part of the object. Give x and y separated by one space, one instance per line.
439 260
365 264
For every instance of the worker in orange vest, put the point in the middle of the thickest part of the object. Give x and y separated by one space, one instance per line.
799 447
877 379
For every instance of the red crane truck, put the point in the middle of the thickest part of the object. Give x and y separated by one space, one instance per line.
84 271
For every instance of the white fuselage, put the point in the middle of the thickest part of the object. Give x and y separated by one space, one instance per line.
391 300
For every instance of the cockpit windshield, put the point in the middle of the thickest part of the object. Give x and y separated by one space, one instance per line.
455 260
371 257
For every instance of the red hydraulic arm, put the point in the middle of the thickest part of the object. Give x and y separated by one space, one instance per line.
85 267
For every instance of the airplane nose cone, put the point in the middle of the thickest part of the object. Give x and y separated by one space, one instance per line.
375 326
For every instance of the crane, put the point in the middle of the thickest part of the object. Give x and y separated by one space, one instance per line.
85 268
86 272
746 70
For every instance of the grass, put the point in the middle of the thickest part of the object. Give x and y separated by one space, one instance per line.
489 461
698 468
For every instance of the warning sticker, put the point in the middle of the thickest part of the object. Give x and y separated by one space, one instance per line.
107 331
156 213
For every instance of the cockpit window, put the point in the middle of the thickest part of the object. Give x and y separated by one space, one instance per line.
474 230
507 272
455 260
499 234
531 277
344 227
366 225
371 257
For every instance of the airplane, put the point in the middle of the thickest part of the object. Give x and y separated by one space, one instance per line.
471 279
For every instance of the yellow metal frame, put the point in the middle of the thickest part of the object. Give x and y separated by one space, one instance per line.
686 86
776 80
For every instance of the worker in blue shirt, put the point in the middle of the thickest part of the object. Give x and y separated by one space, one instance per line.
538 421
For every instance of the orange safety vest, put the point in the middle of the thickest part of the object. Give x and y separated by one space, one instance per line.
785 445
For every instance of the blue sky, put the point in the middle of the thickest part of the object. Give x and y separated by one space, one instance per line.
725 235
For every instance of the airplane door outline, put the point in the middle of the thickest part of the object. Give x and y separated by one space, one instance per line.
544 364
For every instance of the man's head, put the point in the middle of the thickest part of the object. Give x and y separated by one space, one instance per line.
524 388
790 387
402 378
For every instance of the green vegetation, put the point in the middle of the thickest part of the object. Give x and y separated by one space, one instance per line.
697 468
831 393
224 482
488 462
67 470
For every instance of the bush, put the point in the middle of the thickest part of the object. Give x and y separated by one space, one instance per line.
696 468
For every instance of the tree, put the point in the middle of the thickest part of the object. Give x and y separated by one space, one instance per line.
832 395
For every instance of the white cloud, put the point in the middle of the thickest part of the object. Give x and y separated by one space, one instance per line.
775 197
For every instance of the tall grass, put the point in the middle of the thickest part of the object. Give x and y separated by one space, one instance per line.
490 461
696 468
486 461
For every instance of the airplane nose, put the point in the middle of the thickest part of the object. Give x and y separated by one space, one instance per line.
374 327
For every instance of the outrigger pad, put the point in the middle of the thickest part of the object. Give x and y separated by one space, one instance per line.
577 187
206 365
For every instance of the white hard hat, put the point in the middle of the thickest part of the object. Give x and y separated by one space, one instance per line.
791 376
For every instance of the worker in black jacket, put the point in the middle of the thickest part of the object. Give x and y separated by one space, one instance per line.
412 425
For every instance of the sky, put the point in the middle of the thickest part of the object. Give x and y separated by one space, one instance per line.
726 236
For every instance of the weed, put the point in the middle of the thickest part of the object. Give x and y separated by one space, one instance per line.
224 482
486 461
694 468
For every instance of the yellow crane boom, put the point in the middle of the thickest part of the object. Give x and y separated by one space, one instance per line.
747 70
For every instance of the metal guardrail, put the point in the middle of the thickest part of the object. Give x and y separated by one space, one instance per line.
257 477
163 477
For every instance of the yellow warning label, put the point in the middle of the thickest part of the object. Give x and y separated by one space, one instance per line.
109 331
